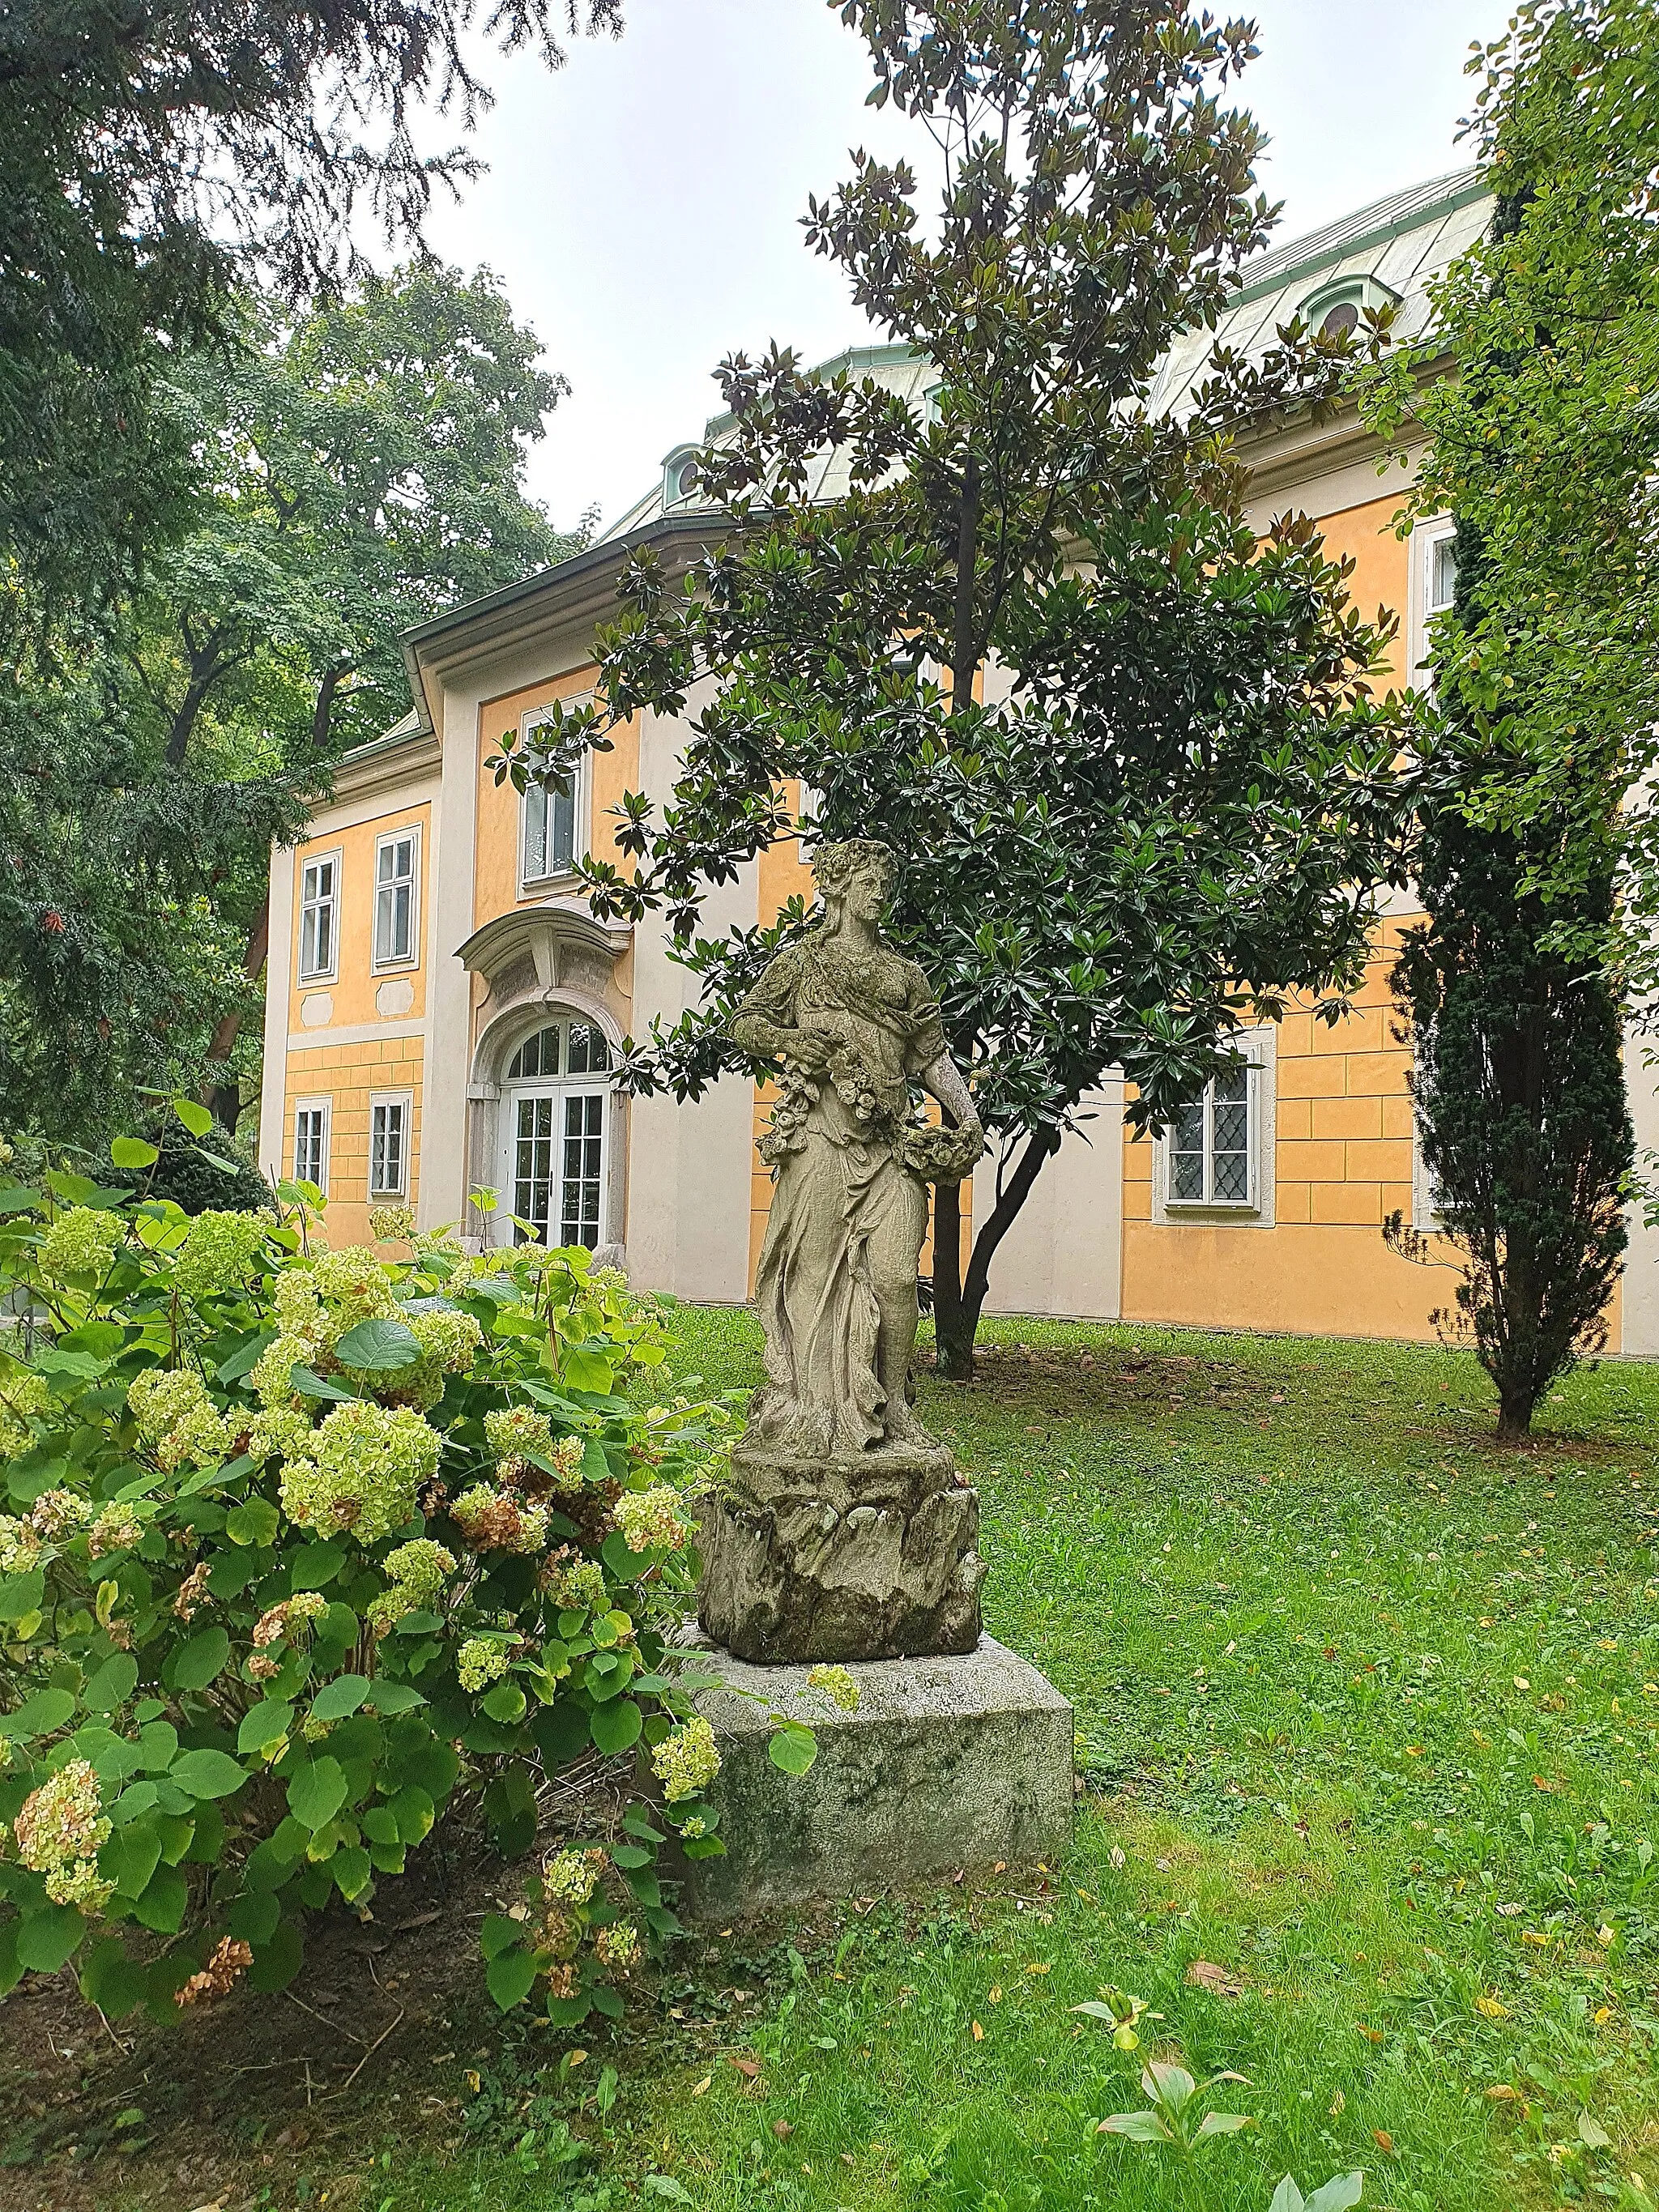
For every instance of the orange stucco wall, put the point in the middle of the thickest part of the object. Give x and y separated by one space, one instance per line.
1382 570
1343 1163
356 981
350 1075
496 874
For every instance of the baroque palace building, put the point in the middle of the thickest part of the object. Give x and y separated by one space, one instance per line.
443 1010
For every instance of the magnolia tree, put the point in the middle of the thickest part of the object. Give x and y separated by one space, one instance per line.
306 1546
1126 749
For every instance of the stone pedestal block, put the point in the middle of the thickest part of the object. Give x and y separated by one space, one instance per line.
872 1556
947 1763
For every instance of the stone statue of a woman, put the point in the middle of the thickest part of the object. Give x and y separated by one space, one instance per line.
847 1531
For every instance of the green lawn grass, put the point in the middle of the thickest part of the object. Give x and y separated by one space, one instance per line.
1367 1713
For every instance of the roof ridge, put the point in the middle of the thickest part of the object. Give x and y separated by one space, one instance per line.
1395 212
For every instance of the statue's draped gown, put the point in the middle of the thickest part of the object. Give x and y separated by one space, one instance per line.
844 1208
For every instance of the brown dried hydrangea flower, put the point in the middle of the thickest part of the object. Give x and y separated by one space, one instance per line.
230 1960
192 1591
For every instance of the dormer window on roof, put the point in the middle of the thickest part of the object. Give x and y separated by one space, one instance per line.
1339 304
679 476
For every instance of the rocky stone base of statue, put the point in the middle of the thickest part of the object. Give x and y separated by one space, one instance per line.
946 1764
874 1556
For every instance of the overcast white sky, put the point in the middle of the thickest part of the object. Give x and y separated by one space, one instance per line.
641 205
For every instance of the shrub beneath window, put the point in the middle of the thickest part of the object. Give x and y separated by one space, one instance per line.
303 1547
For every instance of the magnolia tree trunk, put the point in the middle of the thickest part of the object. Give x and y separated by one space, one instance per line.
959 1298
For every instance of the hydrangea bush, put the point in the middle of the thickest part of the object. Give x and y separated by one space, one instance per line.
303 1546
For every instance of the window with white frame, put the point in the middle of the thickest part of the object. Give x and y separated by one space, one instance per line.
1216 1157
311 1119
551 814
388 1145
319 917
396 889
1433 584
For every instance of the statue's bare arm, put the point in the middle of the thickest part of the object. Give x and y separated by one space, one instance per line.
943 1081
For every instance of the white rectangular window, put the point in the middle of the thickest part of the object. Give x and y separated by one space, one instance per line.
1216 1159
552 835
320 899
1211 1154
550 830
1441 582
388 1147
397 864
1433 582
311 1131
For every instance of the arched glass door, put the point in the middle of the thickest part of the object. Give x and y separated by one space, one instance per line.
555 1138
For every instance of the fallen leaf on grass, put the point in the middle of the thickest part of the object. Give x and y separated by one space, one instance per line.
1383 2141
783 2129
1489 2008
700 2088
747 2067
979 2032
1040 1970
1371 2034
1204 1974
1501 2094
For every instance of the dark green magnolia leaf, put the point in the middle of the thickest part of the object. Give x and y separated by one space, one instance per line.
340 1696
276 1961
617 1724
510 1975
112 1684
352 1871
377 1345
206 1774
314 1566
196 1663
316 1792
497 1933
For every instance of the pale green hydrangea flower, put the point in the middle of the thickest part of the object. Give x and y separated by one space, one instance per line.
651 1519
116 1529
20 1394
481 1663
573 1876
19 1546
59 1831
617 1946
355 1286
174 1412
364 1472
686 1762
81 1242
575 1585
218 1253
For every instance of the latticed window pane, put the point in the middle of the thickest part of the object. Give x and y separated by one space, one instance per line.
589 1054
584 1145
537 1055
388 1137
1187 1153
310 1144
550 830
1230 1143
394 899
533 1166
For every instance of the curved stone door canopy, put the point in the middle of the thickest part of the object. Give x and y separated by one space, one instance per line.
548 958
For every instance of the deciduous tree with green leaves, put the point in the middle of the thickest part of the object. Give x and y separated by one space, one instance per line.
1545 670
152 159
1127 753
361 468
